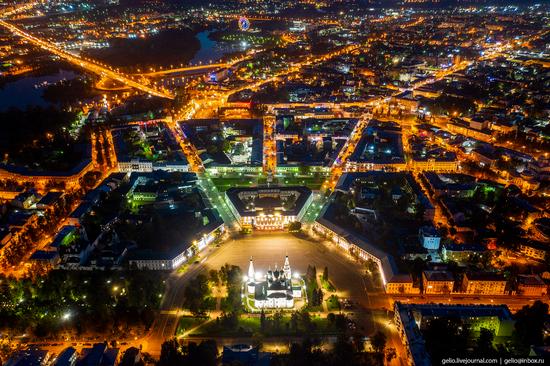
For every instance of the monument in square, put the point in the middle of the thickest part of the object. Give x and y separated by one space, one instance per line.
277 289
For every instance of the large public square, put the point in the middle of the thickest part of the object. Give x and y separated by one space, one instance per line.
348 276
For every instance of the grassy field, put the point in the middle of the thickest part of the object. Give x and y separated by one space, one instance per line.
311 182
245 326
188 322
313 309
223 183
249 325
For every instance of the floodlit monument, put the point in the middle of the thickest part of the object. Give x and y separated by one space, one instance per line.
277 289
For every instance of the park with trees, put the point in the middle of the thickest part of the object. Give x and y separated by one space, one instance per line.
69 304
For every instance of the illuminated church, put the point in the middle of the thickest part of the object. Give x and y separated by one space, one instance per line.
275 290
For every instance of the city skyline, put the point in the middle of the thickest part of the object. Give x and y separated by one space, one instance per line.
274 182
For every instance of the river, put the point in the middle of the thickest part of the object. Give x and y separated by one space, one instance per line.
213 50
27 91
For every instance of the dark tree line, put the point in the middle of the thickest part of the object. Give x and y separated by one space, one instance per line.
39 137
175 354
347 351
314 293
78 301
196 295
452 337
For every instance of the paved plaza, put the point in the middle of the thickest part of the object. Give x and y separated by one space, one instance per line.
268 249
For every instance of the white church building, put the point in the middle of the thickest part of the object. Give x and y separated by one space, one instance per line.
275 290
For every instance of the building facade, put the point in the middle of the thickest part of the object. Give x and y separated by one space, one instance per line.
429 237
484 283
437 282
534 251
270 208
531 285
412 319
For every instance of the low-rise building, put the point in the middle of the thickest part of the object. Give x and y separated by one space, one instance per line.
484 283
429 237
26 200
49 258
436 165
49 200
42 179
412 319
167 261
131 357
437 282
162 151
461 252
394 282
401 284
99 355
29 357
67 357
466 130
5 236
407 101
534 250
146 166
380 148
457 185
531 285
244 354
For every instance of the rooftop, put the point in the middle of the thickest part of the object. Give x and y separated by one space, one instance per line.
484 276
531 280
287 201
462 311
50 198
381 143
438 276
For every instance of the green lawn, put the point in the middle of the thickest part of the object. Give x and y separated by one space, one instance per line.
247 326
312 182
327 285
223 184
250 324
322 325
188 322
313 309
333 304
